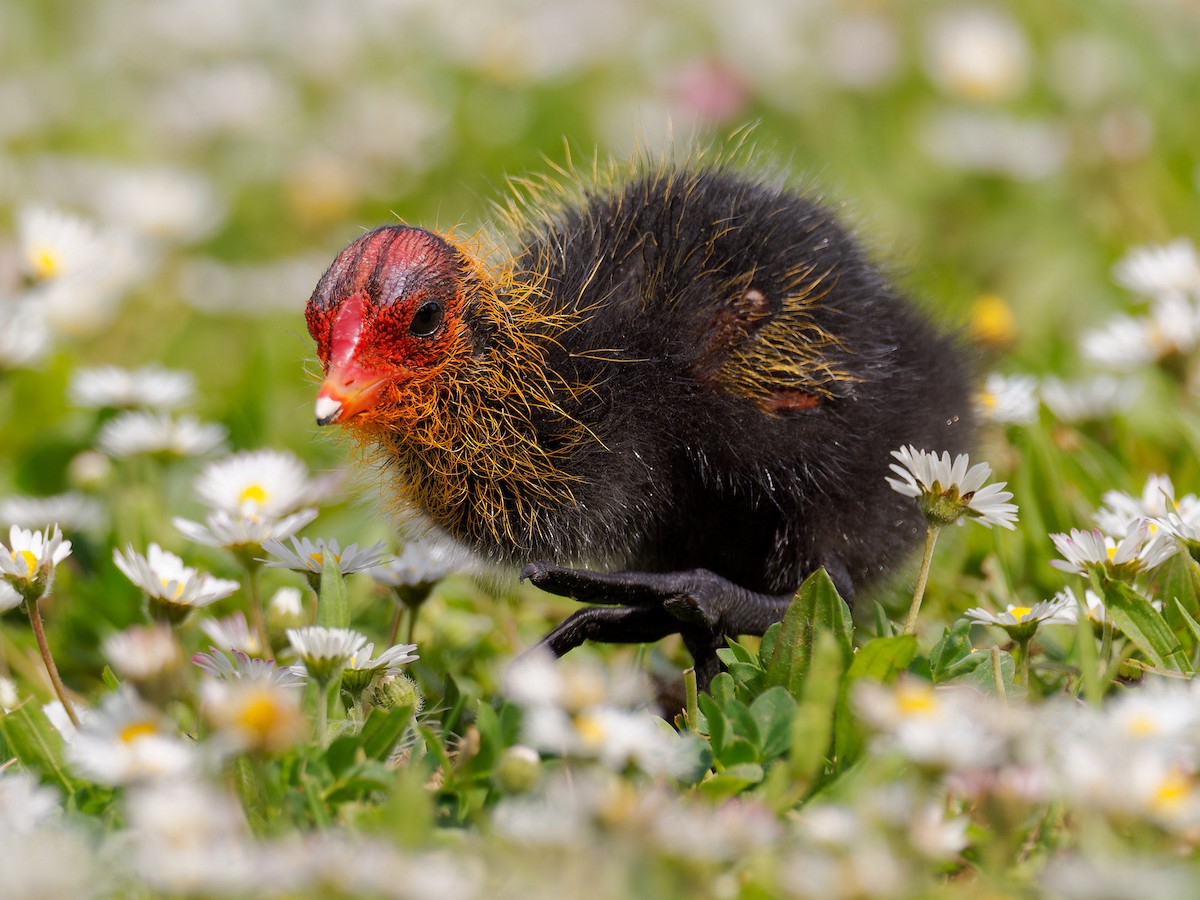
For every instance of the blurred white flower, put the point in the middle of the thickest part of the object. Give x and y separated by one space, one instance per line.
25 804
258 709
72 511
172 589
126 741
9 698
232 633
151 387
422 563
1161 271
9 598
136 432
862 50
938 727
949 492
186 839
1088 399
977 53
1170 329
25 335
143 653
162 203
1024 149
1009 399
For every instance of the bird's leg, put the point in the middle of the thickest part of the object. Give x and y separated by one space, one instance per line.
698 604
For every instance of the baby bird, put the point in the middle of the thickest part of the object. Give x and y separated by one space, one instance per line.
688 381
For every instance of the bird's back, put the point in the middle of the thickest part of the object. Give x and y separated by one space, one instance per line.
743 375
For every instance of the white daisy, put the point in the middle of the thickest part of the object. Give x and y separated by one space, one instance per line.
151 387
136 432
242 533
25 335
126 741
1157 501
324 651
1142 548
362 667
1022 621
1161 270
237 665
172 589
27 563
309 557
420 564
9 698
1008 399
257 483
1088 399
72 511
949 491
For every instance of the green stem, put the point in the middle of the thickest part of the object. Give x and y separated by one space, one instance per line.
412 625
692 709
39 632
1023 662
258 621
910 622
394 632
998 676
323 713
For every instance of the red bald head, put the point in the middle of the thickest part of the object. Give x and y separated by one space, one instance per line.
384 314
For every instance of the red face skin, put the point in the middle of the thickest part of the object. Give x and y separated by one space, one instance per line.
382 315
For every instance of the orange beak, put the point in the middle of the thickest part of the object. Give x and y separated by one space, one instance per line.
347 391
350 388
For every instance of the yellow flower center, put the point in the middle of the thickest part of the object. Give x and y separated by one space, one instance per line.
45 263
1142 726
31 561
590 730
259 714
1112 551
987 400
253 493
915 700
1020 612
178 592
992 322
1171 793
136 731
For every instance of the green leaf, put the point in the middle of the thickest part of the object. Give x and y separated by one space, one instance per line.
383 729
37 744
1133 615
773 711
718 725
743 723
1178 579
952 656
1187 619
983 676
333 608
813 724
736 752
816 607
731 782
721 688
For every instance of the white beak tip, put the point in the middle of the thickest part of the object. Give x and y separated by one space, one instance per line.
327 409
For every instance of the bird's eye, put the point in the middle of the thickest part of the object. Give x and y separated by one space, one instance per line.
427 319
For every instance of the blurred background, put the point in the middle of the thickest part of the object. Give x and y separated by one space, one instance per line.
1000 157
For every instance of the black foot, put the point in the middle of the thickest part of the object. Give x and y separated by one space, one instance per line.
699 605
